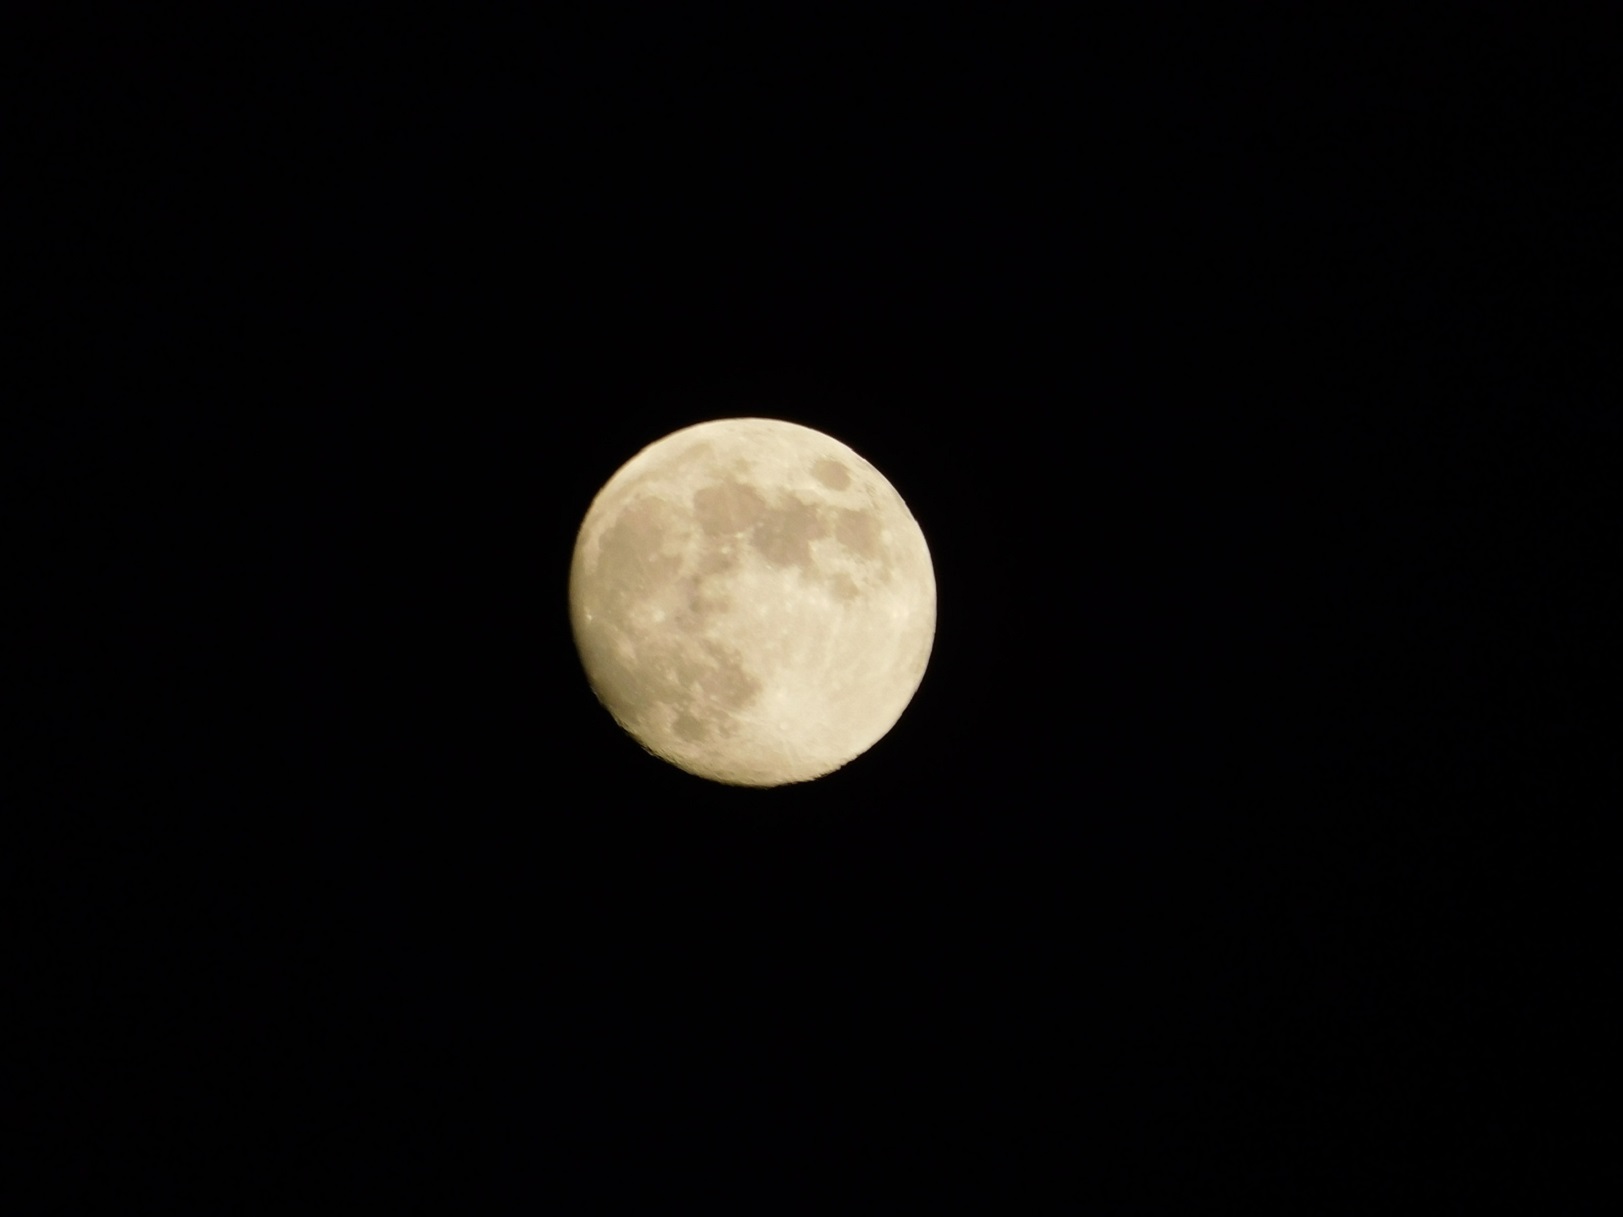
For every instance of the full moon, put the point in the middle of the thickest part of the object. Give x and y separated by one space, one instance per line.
752 601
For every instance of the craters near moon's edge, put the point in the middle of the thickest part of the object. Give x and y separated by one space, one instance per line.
640 554
783 532
631 558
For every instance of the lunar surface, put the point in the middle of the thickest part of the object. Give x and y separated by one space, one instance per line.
752 601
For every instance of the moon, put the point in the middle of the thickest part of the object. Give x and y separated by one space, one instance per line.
752 601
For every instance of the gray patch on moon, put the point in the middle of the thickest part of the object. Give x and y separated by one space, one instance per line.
699 683
845 587
832 474
688 456
784 536
631 561
728 508
704 688
688 728
696 681
722 680
858 531
717 561
697 608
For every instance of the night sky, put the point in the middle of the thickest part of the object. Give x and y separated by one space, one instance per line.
1253 380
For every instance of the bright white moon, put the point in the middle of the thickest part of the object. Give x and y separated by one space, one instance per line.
752 601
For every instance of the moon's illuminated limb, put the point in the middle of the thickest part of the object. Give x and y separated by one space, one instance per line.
752 601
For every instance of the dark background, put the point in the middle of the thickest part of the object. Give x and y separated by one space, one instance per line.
1252 378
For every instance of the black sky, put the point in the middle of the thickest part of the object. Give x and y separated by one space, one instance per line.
1252 380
